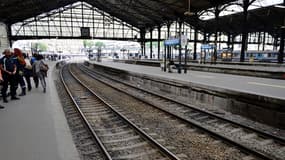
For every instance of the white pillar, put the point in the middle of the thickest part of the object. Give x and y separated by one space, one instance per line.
4 42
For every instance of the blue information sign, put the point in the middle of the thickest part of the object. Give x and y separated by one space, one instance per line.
207 46
172 42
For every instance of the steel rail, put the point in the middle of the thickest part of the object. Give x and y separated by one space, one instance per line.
280 139
140 131
105 152
224 138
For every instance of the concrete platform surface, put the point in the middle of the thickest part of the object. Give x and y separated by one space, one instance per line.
35 128
258 86
243 67
267 67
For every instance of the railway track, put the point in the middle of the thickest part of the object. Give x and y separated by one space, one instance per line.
250 140
116 136
84 140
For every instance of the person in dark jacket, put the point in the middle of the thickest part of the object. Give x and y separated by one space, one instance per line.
8 69
28 72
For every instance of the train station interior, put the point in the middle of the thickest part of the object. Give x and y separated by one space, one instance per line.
142 80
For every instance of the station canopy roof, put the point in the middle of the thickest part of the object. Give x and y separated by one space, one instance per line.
139 13
269 19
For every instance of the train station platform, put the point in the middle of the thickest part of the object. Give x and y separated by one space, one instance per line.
260 99
263 70
260 86
35 128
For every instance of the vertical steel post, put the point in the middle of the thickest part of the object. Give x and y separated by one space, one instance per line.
113 27
217 12
168 36
24 30
71 21
93 23
9 34
123 25
165 58
60 25
132 32
229 40
281 50
180 48
233 42
48 27
37 34
263 41
195 44
244 31
150 43
158 41
142 32
104 35
258 40
185 62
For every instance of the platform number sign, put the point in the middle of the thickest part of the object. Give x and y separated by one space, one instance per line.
85 31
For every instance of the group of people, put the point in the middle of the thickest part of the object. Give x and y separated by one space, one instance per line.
16 69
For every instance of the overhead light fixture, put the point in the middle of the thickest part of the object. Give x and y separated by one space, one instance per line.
189 13
279 6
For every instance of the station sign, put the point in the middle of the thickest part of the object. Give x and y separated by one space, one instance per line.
207 46
172 42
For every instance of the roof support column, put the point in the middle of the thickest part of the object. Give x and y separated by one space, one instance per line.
275 42
36 23
71 20
9 34
195 43
158 42
259 40
233 42
60 26
263 41
142 32
150 43
229 40
246 4
180 48
217 12
168 36
104 30
48 26
281 50
220 41
205 37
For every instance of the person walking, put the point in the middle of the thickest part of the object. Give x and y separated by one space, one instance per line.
35 77
28 72
20 63
8 69
40 69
